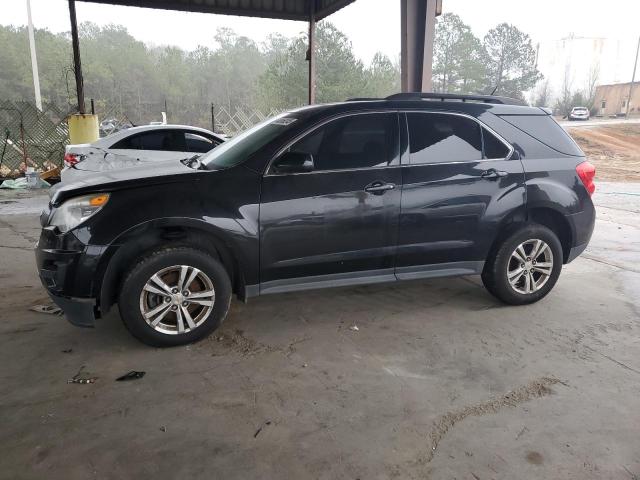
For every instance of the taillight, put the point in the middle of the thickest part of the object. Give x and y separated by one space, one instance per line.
70 159
587 172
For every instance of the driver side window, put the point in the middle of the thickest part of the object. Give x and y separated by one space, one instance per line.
365 140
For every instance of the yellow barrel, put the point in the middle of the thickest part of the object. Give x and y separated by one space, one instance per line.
83 129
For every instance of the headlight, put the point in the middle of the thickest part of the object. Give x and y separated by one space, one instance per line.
76 210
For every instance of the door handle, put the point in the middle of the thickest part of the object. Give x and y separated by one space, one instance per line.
493 174
378 188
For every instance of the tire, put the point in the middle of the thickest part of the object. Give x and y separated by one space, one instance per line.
544 269
190 314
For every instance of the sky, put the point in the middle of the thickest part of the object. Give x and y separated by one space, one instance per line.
371 25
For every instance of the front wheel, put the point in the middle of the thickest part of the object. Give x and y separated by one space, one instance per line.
525 267
174 296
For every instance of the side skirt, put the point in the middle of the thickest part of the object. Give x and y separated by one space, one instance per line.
452 269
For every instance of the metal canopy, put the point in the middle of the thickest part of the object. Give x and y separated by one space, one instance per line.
280 9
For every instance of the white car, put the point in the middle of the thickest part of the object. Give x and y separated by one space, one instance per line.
135 145
579 113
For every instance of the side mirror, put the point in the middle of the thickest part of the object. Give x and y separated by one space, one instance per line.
294 162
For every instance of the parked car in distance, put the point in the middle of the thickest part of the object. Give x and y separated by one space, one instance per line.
579 113
113 125
148 143
409 187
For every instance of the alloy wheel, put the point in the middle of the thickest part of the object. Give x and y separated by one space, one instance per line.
177 299
530 266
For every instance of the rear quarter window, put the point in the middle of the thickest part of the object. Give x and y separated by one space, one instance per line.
546 130
443 138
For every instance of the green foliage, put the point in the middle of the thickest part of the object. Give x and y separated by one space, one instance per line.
127 76
15 64
459 57
123 74
504 61
511 61
339 75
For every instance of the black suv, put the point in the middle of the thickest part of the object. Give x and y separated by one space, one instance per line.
372 190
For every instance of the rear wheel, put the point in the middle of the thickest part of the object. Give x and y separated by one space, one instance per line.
174 296
525 267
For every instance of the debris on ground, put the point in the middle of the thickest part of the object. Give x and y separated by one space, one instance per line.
260 429
53 173
132 375
67 350
50 309
354 328
22 182
238 342
84 380
163 428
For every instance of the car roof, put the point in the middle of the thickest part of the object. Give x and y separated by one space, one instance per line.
473 108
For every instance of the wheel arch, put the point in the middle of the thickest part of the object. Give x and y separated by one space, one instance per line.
547 216
153 235
557 223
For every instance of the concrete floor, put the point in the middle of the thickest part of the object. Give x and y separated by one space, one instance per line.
440 381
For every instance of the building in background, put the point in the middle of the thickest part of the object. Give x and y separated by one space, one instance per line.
578 62
611 100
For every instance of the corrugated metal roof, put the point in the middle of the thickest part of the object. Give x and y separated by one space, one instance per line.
282 9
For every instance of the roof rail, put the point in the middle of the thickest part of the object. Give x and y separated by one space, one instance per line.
362 99
451 96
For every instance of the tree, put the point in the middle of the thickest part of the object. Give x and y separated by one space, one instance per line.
592 83
563 103
339 74
542 95
238 63
54 56
458 57
511 61
382 77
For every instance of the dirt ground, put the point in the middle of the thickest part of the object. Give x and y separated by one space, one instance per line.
613 149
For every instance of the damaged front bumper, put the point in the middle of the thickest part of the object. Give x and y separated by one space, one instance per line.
79 311
67 268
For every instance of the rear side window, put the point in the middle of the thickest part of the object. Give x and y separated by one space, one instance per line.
158 140
198 143
493 148
441 138
355 141
546 130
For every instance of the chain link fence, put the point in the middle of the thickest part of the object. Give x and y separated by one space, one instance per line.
30 137
231 121
33 138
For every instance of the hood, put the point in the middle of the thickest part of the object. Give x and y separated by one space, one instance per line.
109 162
149 173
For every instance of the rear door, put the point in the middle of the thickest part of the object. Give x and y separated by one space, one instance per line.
338 224
459 181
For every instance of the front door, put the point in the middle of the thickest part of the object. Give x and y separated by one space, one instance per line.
459 183
336 224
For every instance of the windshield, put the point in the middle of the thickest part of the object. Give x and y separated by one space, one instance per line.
238 149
